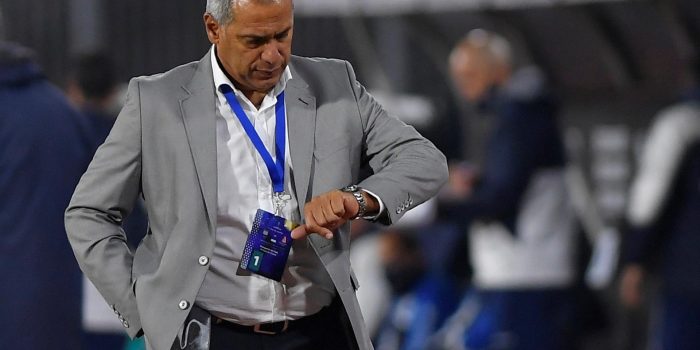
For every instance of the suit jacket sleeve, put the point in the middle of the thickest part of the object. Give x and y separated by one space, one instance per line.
103 198
407 168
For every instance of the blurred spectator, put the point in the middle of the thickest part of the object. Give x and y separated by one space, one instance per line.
43 152
522 224
664 218
422 299
365 256
94 89
375 294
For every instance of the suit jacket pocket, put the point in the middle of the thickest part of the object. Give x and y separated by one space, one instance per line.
195 333
353 280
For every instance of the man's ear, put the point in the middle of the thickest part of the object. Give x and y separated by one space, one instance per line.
212 27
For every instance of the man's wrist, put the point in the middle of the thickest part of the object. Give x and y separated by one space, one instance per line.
359 195
372 204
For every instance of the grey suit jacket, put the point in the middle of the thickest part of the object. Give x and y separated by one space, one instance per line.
163 147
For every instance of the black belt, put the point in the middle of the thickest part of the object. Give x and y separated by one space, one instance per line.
272 328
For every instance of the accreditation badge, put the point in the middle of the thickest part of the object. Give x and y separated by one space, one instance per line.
267 248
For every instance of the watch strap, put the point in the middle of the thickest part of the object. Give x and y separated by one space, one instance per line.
357 193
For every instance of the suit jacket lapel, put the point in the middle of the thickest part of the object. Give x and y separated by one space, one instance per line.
198 108
301 119
199 114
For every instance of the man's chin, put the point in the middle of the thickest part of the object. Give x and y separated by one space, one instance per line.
266 85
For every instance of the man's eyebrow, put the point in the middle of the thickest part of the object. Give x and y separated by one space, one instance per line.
262 37
253 36
286 30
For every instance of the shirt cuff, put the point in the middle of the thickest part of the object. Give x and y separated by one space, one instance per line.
381 206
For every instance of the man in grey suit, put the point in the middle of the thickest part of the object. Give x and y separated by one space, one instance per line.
249 127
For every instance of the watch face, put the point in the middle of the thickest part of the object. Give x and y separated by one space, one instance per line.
351 188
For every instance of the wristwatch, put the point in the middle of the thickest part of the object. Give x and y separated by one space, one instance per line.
357 193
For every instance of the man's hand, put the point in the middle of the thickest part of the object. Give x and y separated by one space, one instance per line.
462 180
325 213
631 285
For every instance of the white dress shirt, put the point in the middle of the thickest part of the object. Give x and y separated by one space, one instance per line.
244 186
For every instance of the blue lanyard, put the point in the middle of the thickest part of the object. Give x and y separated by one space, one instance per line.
276 169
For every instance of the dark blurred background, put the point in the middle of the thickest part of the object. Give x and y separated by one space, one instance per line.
612 64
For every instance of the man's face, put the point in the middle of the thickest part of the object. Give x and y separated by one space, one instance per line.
473 75
254 48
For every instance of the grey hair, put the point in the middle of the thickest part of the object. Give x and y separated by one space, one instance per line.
222 12
493 44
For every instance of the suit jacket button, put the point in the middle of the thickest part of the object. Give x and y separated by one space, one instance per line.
203 260
183 305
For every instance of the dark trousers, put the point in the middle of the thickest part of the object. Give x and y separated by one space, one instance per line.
680 324
330 329
523 320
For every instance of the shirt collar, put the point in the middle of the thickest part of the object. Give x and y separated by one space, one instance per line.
220 78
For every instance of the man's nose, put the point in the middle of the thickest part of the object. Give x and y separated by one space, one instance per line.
272 54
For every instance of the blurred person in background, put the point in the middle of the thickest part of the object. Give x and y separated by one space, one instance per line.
94 89
664 221
198 142
521 223
375 294
43 151
421 298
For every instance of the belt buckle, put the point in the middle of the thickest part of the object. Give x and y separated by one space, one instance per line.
257 328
